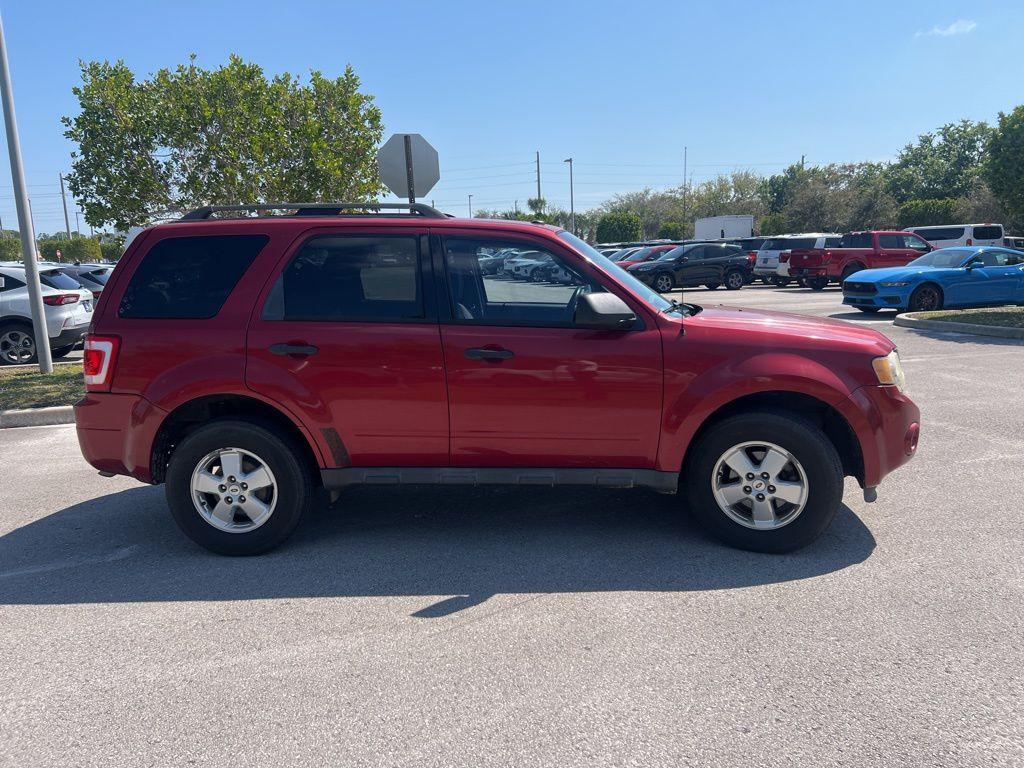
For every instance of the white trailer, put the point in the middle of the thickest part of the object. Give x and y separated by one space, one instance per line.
715 227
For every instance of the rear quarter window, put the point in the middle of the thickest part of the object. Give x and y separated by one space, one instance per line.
189 277
988 233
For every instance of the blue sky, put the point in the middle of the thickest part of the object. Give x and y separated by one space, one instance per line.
621 87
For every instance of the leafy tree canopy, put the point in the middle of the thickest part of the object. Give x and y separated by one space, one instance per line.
191 136
619 226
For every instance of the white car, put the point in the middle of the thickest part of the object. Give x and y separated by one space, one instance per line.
66 304
769 268
949 235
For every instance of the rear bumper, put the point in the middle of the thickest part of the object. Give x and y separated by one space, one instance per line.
116 432
808 272
887 424
68 336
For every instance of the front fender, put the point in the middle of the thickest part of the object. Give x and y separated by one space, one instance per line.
690 399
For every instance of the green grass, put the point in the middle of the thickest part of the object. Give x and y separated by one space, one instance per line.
27 388
1006 317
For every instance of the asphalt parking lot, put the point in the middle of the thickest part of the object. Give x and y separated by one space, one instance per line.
478 627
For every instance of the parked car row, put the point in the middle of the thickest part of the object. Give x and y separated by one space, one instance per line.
69 294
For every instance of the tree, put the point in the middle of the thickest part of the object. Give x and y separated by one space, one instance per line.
190 136
943 164
1004 168
536 206
75 249
924 213
618 227
10 249
671 230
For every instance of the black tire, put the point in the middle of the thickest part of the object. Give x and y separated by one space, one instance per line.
734 280
62 351
925 298
869 310
801 438
12 337
817 283
663 278
711 286
294 490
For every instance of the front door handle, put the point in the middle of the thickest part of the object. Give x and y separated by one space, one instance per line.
481 353
294 350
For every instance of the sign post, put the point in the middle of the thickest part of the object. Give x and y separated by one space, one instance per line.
408 166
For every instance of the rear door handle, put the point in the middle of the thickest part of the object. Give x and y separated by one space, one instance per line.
297 350
479 353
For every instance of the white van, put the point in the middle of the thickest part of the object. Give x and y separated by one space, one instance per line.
948 235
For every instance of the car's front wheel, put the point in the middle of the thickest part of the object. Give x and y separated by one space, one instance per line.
925 298
663 282
766 481
237 488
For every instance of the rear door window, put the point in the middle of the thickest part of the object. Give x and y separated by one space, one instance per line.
189 277
350 278
890 241
856 240
940 233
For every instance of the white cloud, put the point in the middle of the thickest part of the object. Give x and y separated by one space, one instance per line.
958 27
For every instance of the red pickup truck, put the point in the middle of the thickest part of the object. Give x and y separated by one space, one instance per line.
856 251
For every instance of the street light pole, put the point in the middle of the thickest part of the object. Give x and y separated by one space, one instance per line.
471 206
572 201
64 199
28 235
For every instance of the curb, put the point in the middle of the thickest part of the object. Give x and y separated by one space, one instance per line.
37 417
909 320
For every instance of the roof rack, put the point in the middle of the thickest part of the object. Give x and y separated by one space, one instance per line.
316 209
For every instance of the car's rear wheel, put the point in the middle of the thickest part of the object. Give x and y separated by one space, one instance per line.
663 282
850 270
767 481
817 283
711 286
925 298
734 281
17 344
236 488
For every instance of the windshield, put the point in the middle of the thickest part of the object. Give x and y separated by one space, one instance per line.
649 295
944 257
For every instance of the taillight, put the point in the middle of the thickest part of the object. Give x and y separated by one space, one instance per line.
784 257
752 257
96 295
98 361
60 299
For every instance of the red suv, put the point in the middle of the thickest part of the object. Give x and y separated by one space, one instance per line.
244 362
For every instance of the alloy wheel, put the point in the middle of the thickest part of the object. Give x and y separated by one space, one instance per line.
662 283
233 490
17 347
759 485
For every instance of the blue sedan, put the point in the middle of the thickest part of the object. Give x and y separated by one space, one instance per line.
976 276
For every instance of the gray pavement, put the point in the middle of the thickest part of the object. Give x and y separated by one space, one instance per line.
541 627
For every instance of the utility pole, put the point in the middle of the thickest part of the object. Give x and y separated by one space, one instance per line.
471 206
64 199
572 201
78 225
539 196
802 161
28 236
684 184
517 207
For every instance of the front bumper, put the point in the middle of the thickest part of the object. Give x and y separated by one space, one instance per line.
880 300
116 432
887 425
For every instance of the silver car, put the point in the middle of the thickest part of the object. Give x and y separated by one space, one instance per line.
67 307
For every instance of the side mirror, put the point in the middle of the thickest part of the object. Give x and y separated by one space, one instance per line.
681 259
603 312
974 265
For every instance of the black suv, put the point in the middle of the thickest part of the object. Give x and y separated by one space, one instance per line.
709 264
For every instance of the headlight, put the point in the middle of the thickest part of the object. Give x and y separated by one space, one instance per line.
889 370
899 284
